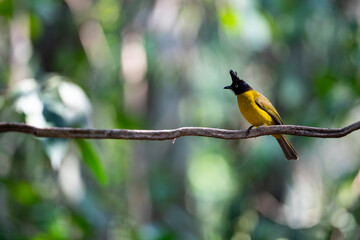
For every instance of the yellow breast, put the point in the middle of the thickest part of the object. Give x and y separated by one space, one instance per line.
251 112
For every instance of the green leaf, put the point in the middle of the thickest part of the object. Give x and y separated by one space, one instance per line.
92 160
228 18
23 193
6 8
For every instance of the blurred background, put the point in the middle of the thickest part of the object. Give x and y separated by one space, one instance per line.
162 64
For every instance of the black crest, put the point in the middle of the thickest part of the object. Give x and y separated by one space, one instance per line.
238 85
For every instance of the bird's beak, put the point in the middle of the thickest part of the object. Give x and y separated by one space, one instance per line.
228 87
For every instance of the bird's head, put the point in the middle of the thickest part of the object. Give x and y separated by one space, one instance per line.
238 85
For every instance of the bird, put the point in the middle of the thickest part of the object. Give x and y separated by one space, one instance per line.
259 111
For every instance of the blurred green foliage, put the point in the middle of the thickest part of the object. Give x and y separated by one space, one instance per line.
163 64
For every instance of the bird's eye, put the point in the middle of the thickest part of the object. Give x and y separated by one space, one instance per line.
236 86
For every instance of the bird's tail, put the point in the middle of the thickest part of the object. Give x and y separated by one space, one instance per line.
287 148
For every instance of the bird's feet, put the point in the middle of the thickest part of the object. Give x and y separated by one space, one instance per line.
248 130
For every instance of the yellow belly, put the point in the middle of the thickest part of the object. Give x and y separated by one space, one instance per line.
251 112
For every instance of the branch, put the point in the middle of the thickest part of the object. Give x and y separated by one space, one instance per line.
58 132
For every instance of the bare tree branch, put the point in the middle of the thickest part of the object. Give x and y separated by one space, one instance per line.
57 132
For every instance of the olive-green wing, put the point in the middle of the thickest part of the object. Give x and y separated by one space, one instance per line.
266 105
